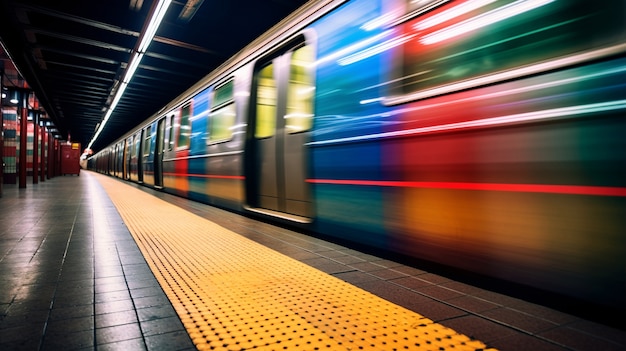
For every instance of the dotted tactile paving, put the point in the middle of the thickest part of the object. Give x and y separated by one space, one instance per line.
232 293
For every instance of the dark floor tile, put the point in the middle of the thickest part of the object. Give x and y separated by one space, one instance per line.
73 300
117 333
114 306
24 317
70 325
437 311
156 312
161 326
366 266
302 255
110 280
355 277
546 313
112 296
387 274
462 287
386 263
22 344
76 274
577 340
348 259
438 292
131 345
519 320
601 331
169 341
32 304
20 333
139 284
523 342
434 278
331 254
115 319
326 265
146 292
410 271
114 270
36 291
138 272
151 301
479 328
68 340
498 298
413 283
472 304
395 294
102 288
71 312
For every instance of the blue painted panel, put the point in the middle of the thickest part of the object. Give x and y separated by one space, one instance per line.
199 122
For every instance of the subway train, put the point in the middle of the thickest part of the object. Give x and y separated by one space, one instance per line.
487 136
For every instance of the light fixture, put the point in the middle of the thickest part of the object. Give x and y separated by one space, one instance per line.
190 9
15 97
144 41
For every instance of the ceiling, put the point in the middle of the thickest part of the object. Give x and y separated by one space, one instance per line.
72 53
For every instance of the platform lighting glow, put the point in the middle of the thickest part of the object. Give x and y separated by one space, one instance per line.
132 67
146 39
483 20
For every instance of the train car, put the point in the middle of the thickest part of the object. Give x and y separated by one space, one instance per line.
482 135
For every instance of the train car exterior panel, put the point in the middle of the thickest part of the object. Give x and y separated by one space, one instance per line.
482 135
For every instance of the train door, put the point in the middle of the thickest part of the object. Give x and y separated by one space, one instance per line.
158 153
117 160
127 146
281 117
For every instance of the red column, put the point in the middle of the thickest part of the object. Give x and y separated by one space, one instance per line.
42 173
35 147
50 155
23 112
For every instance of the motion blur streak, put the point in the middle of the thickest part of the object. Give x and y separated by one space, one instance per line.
486 19
527 188
523 117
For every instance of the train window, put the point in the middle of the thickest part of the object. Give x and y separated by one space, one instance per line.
170 133
465 43
131 148
266 103
137 144
222 115
300 92
146 142
184 130
128 147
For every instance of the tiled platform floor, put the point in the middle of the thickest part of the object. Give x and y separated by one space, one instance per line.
72 278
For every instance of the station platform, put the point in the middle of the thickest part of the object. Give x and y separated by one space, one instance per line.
95 263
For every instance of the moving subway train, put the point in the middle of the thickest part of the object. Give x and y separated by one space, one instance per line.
483 135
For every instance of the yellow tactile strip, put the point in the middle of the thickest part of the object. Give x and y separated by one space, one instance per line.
232 293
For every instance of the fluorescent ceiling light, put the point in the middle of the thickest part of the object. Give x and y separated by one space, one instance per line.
154 24
145 40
